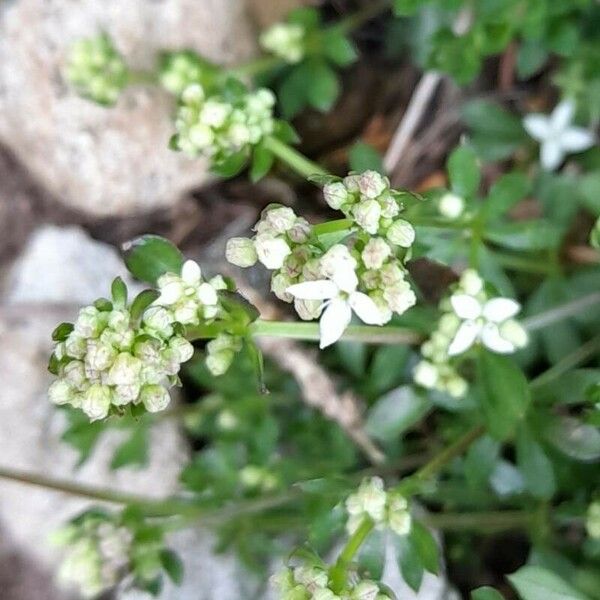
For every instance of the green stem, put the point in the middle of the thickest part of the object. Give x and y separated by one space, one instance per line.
338 573
561 312
296 330
583 353
291 157
332 226
257 66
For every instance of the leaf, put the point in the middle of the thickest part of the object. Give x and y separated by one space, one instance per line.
172 565
262 161
535 466
409 562
572 437
62 331
353 356
505 193
141 302
589 188
463 171
387 368
119 292
133 451
531 57
486 593
293 91
371 556
363 157
150 256
396 412
426 547
338 48
231 166
525 235
324 86
404 8
81 434
256 357
480 461
504 393
537 583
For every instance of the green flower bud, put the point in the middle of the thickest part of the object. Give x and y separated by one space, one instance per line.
125 394
367 215
219 362
154 397
401 233
96 401
75 345
336 194
426 374
181 348
241 252
61 392
99 356
271 251
89 323
158 320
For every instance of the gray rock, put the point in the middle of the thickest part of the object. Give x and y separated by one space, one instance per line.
106 161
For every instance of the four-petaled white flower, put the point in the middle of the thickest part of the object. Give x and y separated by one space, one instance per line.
488 322
556 134
341 298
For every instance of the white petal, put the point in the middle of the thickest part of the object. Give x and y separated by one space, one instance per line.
345 278
465 337
323 289
334 321
190 272
365 308
500 309
491 338
465 306
551 155
577 139
170 293
537 126
562 115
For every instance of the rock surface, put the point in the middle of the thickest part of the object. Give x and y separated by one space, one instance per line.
106 161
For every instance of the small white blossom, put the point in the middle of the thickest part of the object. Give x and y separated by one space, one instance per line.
451 206
483 321
557 136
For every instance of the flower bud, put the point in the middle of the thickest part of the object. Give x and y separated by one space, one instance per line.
271 251
96 401
214 114
181 348
337 259
375 253
400 297
125 370
399 519
451 206
155 398
61 392
89 323
401 233
186 313
125 394
300 231
279 285
158 320
515 333
308 309
75 345
426 374
219 362
207 294
281 218
367 215
391 274
285 40
371 184
456 386
470 282
389 206
74 373
365 590
241 252
336 194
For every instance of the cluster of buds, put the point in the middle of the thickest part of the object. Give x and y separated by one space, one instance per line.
179 70
469 317
96 69
285 40
384 508
220 126
592 523
312 583
369 201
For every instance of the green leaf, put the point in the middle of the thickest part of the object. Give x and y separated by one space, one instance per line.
525 235
119 292
463 171
141 302
81 434
486 593
293 90
371 556
589 188
256 357
504 393
480 461
536 468
426 547
409 562
403 8
324 86
536 583
262 161
387 368
338 48
530 59
353 356
396 412
172 565
308 17
573 438
231 166
363 157
505 193
62 331
150 256
133 451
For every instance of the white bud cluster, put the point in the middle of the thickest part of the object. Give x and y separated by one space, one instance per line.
469 317
285 40
369 201
312 583
384 508
181 69
219 127
98 554
96 69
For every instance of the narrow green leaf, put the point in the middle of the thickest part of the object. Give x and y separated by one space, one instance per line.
371 556
133 451
409 562
338 48
426 547
150 256
119 292
141 302
262 161
504 393
324 86
62 331
505 193
536 583
172 565
463 171
534 465
486 593
231 166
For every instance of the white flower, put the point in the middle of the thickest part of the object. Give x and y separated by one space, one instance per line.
556 134
484 322
451 206
341 298
271 251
